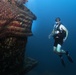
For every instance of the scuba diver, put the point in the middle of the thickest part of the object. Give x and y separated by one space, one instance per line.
60 34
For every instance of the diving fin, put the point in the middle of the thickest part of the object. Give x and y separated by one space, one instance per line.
69 57
62 61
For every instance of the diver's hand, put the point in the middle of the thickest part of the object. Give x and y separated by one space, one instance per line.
64 40
49 36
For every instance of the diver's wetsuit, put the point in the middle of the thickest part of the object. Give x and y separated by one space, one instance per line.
58 41
59 37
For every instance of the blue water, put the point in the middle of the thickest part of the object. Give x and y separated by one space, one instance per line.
39 46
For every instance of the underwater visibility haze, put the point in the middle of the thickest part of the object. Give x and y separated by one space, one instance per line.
40 47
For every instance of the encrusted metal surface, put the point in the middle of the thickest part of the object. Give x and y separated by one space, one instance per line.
16 20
